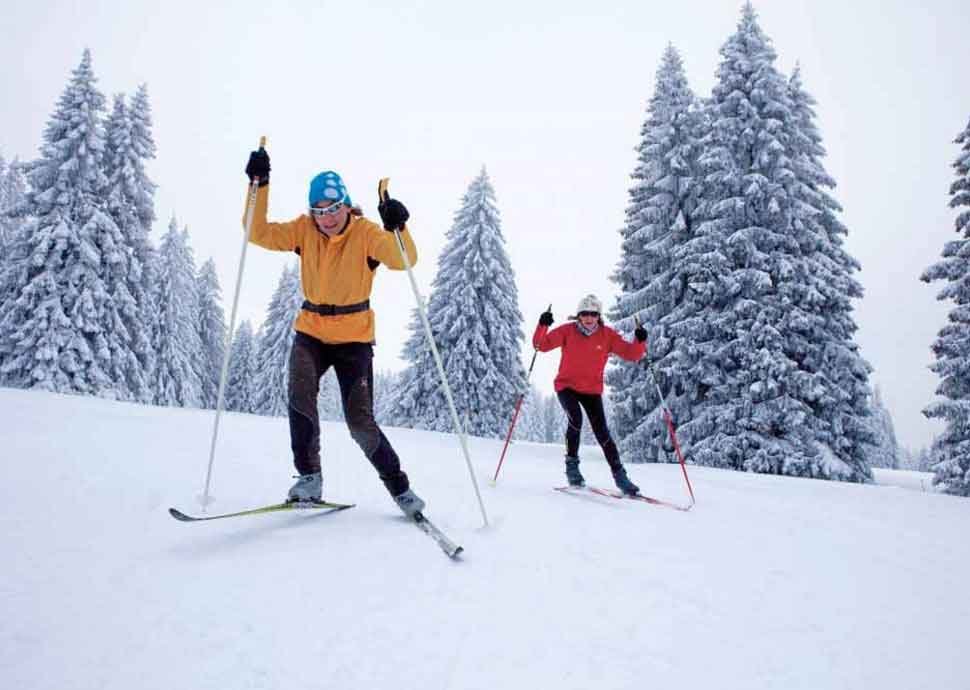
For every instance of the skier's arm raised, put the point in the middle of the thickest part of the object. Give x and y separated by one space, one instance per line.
630 351
544 340
383 245
277 236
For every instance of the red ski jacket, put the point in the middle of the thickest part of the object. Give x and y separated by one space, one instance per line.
584 356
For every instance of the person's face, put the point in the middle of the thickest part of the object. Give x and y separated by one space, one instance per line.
330 216
588 318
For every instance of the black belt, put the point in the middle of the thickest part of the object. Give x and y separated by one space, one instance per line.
336 309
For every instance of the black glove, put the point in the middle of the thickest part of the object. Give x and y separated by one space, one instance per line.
640 334
258 166
546 319
393 213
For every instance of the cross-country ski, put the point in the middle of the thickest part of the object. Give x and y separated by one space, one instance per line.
322 506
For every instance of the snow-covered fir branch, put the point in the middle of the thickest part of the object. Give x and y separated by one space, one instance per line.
950 453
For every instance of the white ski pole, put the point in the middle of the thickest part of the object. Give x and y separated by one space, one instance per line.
250 208
381 195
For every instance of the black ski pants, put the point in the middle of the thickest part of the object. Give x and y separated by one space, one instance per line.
354 365
592 403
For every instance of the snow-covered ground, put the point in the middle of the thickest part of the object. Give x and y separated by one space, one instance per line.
769 582
904 479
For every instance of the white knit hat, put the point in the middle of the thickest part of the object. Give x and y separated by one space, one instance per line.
590 303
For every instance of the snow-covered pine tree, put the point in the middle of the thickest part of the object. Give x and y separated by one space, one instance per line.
950 453
130 198
3 208
242 370
653 269
143 144
530 425
66 328
404 402
555 420
13 196
270 395
328 400
7 235
212 332
13 190
176 378
477 326
821 339
916 459
885 451
754 302
384 383
15 253
906 458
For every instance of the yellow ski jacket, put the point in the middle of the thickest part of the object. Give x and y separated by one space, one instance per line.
333 270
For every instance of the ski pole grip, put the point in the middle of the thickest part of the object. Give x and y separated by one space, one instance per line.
254 184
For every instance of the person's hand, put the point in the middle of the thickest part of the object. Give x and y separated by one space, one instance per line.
393 213
258 166
640 334
546 319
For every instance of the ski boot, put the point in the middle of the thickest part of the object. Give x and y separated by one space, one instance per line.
409 503
307 489
623 482
572 472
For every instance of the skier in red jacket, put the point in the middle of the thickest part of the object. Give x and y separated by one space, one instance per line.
586 345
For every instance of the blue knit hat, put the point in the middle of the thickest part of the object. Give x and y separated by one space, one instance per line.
327 186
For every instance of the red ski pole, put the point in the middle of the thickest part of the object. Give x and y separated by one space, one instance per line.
669 419
515 415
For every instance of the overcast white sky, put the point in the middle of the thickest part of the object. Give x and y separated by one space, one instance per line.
549 96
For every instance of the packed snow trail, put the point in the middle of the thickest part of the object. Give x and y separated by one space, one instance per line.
769 582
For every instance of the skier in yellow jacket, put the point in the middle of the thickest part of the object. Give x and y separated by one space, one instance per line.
339 252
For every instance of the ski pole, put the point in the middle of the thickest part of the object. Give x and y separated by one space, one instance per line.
382 194
669 419
515 415
250 209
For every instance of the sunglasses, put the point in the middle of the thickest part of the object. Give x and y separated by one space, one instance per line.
331 210
589 313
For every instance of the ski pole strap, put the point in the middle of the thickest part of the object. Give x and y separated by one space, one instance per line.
336 309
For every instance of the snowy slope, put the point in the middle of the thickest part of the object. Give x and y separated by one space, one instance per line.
770 582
